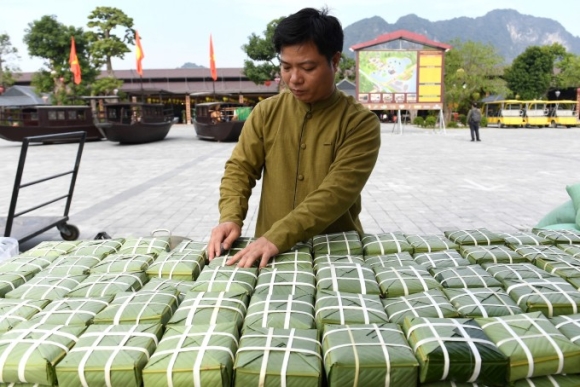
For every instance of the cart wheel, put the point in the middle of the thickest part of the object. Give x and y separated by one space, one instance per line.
69 232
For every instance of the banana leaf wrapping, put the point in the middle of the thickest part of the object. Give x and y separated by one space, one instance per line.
342 243
208 308
475 237
532 344
226 279
567 237
348 308
123 263
385 243
106 284
491 254
549 381
25 265
50 249
278 311
440 259
327 259
177 265
13 312
368 355
390 260
68 265
564 267
109 355
193 356
46 287
432 303
188 246
147 245
30 352
222 260
10 281
242 243
168 285
473 276
524 238
98 248
551 296
534 252
348 278
285 282
482 302
569 326
430 243
404 280
140 307
455 349
573 250
299 259
278 357
71 311
517 271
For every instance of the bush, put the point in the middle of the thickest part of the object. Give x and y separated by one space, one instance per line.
419 121
430 121
463 119
453 124
484 122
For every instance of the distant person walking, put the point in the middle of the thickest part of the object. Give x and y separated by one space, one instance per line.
474 119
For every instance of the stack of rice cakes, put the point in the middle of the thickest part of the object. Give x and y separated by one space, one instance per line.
469 307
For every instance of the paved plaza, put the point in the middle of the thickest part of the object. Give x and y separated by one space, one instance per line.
424 182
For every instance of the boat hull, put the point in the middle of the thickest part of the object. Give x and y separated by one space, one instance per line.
136 133
221 131
18 133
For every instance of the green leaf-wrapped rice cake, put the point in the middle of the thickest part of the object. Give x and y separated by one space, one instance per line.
46 287
145 245
348 308
440 259
176 265
404 280
10 281
193 355
285 282
98 248
101 285
67 265
278 357
71 311
124 263
482 302
13 312
142 307
455 349
385 243
109 355
517 239
342 243
432 303
226 279
389 260
515 271
430 243
348 278
491 254
552 296
368 355
532 344
475 237
567 237
473 276
278 311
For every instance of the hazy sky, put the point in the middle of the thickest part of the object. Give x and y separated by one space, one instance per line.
174 32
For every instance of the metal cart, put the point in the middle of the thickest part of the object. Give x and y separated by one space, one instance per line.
24 228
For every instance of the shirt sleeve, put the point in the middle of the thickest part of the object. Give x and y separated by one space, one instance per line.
242 170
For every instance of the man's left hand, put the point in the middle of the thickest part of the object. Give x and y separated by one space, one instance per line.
261 249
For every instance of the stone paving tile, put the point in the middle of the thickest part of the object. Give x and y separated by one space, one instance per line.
423 182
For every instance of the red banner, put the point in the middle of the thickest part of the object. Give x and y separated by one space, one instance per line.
139 54
75 67
212 68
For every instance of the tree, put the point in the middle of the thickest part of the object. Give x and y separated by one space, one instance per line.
48 39
7 54
346 69
261 49
531 74
472 70
569 75
105 45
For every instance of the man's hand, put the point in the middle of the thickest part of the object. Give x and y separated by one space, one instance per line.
222 238
261 249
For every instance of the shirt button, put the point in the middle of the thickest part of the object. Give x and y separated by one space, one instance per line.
303 146
300 177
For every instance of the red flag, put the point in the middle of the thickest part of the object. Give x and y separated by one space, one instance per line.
75 67
212 68
139 54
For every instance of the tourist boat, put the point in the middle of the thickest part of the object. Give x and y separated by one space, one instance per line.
220 121
135 122
18 122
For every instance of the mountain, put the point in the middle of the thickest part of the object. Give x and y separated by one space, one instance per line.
189 65
509 31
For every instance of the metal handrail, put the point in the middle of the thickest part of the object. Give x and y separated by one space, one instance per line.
20 170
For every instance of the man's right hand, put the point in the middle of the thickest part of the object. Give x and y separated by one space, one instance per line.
222 238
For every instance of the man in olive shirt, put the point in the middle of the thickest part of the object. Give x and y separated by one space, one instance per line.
314 147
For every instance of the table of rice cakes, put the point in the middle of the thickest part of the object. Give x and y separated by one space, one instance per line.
465 308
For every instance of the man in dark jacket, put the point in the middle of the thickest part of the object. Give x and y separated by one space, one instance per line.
474 119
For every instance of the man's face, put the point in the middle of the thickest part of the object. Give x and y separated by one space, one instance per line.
307 73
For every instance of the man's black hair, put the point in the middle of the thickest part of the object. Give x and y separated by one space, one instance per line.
307 25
